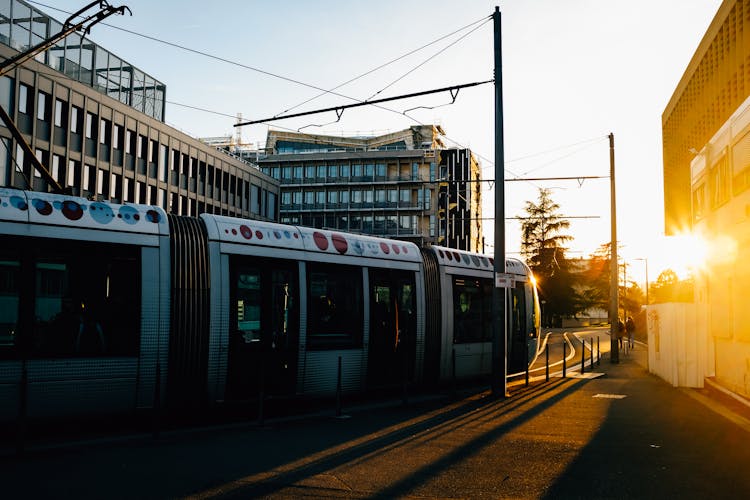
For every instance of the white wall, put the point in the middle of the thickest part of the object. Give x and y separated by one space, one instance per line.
677 346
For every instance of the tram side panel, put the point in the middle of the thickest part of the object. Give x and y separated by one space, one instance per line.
296 300
80 317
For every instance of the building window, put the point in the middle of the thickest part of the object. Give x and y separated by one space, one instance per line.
57 170
271 211
43 106
254 199
90 123
719 182
40 156
405 197
24 96
102 182
76 117
115 189
117 139
127 189
741 164
85 184
74 174
61 113
163 160
105 131
7 94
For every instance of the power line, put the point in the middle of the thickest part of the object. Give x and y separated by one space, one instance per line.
288 79
428 59
385 64
340 109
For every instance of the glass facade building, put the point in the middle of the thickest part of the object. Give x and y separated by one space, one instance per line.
23 26
95 123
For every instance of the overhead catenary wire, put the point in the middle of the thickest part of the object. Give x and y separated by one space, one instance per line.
323 91
381 66
288 79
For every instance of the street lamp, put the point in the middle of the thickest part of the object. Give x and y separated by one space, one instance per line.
645 260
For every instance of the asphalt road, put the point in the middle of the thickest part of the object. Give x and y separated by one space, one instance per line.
615 433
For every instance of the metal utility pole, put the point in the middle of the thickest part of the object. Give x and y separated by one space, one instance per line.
614 307
499 326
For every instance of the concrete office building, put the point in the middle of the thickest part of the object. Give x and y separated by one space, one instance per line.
706 134
404 185
97 123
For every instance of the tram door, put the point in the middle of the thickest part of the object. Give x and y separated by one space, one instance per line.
264 329
518 355
392 343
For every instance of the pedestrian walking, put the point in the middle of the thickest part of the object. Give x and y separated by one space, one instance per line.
630 329
620 332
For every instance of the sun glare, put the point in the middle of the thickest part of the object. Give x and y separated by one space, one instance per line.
684 254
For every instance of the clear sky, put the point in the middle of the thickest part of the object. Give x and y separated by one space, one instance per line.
573 71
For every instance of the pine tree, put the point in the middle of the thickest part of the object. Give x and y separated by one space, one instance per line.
542 248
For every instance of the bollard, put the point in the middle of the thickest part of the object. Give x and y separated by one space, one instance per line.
591 350
261 391
453 372
598 353
565 355
156 424
526 352
405 369
338 389
22 402
546 364
583 356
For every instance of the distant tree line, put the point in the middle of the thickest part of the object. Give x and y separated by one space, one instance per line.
570 288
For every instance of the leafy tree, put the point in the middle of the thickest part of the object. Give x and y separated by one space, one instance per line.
594 280
670 288
542 248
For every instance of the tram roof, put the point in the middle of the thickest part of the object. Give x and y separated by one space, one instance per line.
470 260
61 210
282 236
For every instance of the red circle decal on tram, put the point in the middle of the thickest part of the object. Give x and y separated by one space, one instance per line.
320 240
339 243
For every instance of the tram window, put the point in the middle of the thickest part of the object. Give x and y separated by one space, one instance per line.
248 305
9 300
86 301
335 318
472 300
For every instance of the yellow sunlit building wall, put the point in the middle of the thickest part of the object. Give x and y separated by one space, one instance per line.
706 145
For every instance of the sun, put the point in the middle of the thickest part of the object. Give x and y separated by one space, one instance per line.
685 254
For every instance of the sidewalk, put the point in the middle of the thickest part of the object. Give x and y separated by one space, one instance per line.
626 434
